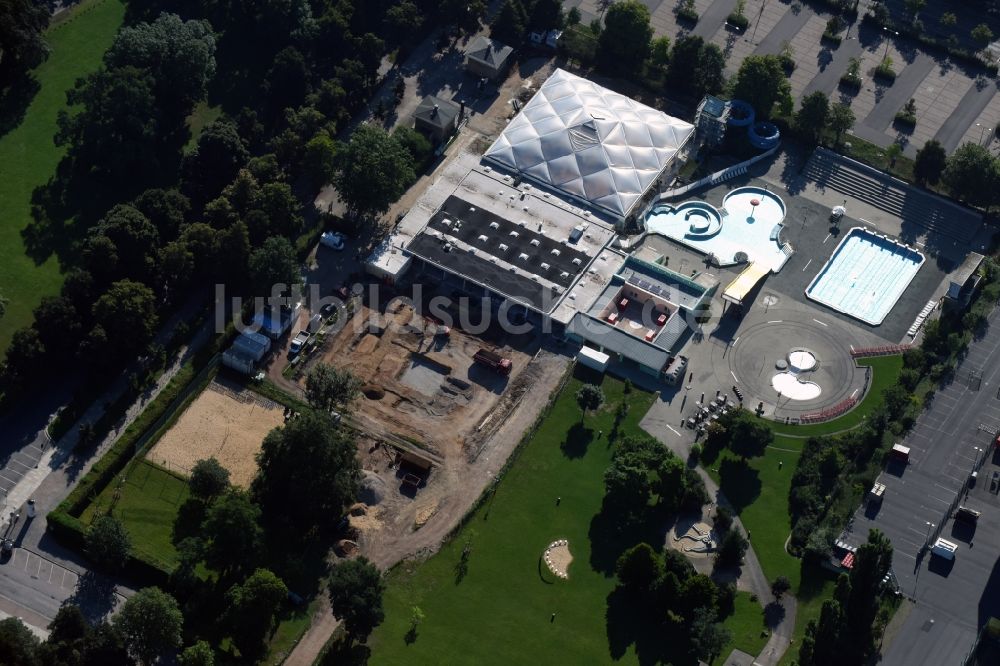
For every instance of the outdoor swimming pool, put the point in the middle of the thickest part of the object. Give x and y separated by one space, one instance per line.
865 276
746 229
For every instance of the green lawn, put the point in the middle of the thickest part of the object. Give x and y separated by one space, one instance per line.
885 372
500 610
747 626
29 156
147 506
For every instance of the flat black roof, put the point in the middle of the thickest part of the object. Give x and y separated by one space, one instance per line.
480 269
469 222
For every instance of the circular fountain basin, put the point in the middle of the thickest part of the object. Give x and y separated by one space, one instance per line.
789 386
801 360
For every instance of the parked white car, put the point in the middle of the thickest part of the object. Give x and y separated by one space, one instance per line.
333 240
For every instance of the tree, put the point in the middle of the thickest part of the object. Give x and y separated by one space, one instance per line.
948 19
252 607
209 479
287 82
373 172
812 115
971 174
871 564
709 77
696 67
232 532
3 305
625 41
24 354
127 314
133 239
893 152
639 568
355 590
914 7
328 388
319 160
108 544
22 47
761 82
841 119
416 144
732 549
659 51
779 586
930 163
546 15
708 637
216 159
510 24
166 209
18 645
589 397
402 21
982 35
199 654
150 623
58 325
319 491
179 54
272 264
744 434
114 132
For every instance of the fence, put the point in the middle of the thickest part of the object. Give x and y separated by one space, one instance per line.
882 350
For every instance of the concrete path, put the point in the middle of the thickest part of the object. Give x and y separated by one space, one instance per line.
784 30
829 76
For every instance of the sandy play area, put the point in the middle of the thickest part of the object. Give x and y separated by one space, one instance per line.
224 423
558 558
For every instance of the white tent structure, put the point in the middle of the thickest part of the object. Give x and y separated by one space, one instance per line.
591 143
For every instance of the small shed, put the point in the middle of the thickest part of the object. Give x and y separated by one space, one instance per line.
437 118
593 359
487 57
246 352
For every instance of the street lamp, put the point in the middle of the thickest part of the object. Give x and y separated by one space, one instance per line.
927 538
975 459
891 32
761 13
983 129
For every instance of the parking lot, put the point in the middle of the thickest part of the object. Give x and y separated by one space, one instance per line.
42 569
949 441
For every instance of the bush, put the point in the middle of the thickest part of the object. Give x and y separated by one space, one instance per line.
686 12
738 21
833 39
851 81
885 71
906 119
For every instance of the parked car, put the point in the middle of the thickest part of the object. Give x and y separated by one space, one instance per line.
333 240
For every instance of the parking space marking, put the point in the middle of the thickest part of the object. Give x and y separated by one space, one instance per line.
21 464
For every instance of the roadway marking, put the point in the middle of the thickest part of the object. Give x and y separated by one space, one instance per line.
855 392
672 430
736 340
807 265
826 239
734 376
819 322
775 321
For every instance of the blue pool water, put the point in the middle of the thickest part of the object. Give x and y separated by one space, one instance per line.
740 227
865 276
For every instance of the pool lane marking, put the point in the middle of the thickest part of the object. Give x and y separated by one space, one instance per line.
807 265
672 430
826 239
819 322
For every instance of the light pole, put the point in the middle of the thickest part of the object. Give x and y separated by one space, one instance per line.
927 538
975 459
759 14
887 42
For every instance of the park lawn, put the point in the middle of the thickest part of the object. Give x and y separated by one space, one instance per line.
816 586
29 156
747 625
147 507
500 611
759 493
885 372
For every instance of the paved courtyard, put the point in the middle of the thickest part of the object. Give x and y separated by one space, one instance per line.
953 105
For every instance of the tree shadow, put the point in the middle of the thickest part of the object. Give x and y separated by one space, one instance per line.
345 652
577 440
95 595
630 621
15 100
739 482
610 535
190 516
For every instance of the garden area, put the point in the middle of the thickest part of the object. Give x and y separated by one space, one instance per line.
78 39
488 596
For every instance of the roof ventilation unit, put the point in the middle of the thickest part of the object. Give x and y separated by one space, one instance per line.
555 252
576 261
494 225
535 242
484 238
504 247
522 256
545 266
513 234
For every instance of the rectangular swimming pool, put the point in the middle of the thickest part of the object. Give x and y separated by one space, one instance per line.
865 276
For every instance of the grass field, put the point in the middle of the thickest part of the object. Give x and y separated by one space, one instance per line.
147 506
499 611
29 156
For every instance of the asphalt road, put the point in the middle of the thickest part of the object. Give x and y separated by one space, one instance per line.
949 440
